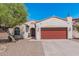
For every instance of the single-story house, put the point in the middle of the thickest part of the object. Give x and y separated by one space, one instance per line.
50 28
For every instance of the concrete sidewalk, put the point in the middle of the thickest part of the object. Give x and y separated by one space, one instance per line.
61 48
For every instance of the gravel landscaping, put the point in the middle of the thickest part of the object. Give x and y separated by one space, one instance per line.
23 48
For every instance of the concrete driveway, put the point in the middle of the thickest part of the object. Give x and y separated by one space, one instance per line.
61 48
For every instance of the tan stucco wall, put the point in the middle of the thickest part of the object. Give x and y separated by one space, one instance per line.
54 22
31 24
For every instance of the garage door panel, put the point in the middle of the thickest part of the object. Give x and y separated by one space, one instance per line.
50 33
53 37
54 32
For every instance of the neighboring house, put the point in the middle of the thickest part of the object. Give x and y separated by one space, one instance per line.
75 21
75 30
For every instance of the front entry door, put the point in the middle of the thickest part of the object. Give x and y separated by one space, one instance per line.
32 32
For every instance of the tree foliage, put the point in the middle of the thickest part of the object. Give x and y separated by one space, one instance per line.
12 14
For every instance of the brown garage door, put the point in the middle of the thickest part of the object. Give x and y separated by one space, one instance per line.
53 33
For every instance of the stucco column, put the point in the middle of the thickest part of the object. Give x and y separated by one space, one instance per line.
38 33
26 33
11 31
70 27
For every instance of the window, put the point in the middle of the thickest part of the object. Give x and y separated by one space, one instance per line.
17 31
27 28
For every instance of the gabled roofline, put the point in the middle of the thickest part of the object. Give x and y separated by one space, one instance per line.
49 18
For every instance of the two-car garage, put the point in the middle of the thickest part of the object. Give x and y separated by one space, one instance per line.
53 33
54 28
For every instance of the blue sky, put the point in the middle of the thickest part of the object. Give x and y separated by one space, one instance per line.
39 11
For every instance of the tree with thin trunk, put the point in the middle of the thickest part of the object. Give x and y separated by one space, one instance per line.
12 14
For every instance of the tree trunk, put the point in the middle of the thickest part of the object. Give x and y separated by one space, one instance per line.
11 34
